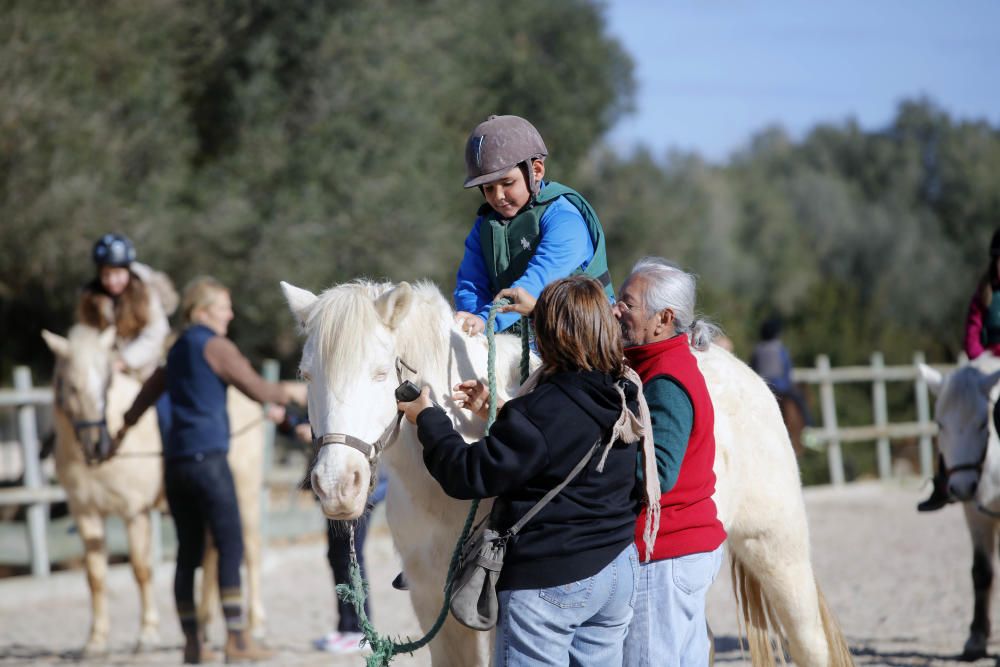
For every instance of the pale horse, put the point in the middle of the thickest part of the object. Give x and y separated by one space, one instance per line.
971 453
90 400
356 336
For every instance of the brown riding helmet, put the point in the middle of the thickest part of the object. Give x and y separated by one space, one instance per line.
499 144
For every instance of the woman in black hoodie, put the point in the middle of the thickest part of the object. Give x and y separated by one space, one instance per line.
567 586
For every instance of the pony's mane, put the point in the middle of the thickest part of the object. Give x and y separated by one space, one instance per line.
344 318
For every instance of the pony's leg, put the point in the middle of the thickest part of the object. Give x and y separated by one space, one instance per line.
983 533
140 556
251 556
91 528
775 579
209 603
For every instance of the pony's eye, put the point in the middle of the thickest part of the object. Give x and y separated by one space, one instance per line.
305 375
380 375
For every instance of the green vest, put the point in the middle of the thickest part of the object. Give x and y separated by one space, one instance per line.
508 245
991 323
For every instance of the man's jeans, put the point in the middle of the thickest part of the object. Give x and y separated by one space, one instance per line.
669 626
582 623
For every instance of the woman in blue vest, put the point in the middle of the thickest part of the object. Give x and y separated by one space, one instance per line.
201 364
529 232
982 334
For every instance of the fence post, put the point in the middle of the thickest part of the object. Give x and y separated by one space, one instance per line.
270 370
881 414
923 418
37 512
829 409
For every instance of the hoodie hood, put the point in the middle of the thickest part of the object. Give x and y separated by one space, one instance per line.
596 394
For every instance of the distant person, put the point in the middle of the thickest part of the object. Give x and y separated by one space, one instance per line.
200 366
770 359
529 232
982 335
134 299
656 309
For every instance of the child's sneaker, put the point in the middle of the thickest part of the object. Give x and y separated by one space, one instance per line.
340 642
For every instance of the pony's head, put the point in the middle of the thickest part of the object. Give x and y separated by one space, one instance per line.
362 340
962 412
82 381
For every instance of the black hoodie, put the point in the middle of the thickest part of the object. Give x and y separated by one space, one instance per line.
535 442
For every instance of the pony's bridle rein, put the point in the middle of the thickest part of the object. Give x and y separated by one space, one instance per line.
371 451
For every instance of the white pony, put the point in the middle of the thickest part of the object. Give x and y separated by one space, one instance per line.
357 334
90 401
971 453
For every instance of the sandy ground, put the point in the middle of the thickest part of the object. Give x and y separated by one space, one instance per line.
898 581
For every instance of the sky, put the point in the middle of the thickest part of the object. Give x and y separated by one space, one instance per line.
711 73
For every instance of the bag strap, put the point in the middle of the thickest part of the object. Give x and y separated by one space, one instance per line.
554 492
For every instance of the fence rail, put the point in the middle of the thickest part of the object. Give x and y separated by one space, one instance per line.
832 435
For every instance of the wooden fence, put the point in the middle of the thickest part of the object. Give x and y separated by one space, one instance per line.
37 494
831 435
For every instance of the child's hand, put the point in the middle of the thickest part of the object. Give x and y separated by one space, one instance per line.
470 324
522 302
474 396
413 408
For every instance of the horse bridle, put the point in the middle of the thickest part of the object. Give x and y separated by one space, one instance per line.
80 425
372 451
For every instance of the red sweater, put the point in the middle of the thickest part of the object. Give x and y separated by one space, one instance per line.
688 519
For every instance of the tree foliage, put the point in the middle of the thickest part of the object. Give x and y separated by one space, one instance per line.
314 142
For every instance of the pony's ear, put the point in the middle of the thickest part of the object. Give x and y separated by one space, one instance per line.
932 377
107 338
56 343
393 306
299 300
987 382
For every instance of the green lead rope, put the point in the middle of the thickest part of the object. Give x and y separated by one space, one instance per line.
384 649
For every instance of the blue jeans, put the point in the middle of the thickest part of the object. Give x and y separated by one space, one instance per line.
669 626
583 623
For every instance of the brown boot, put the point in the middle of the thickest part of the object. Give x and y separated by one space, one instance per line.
196 652
240 647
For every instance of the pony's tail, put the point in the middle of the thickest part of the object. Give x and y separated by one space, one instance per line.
758 617
840 653
762 624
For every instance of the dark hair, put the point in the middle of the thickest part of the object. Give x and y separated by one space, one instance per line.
575 329
771 328
128 312
990 281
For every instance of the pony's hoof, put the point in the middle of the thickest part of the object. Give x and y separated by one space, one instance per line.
975 649
95 648
149 640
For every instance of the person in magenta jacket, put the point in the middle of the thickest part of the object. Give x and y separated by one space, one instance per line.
982 334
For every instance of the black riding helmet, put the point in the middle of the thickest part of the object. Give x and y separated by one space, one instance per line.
113 250
499 144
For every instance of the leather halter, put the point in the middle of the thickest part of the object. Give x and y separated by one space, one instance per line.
79 425
372 451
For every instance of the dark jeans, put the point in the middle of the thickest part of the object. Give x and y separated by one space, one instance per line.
338 554
201 494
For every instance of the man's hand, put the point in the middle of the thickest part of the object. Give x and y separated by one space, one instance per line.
522 302
474 396
413 408
469 323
